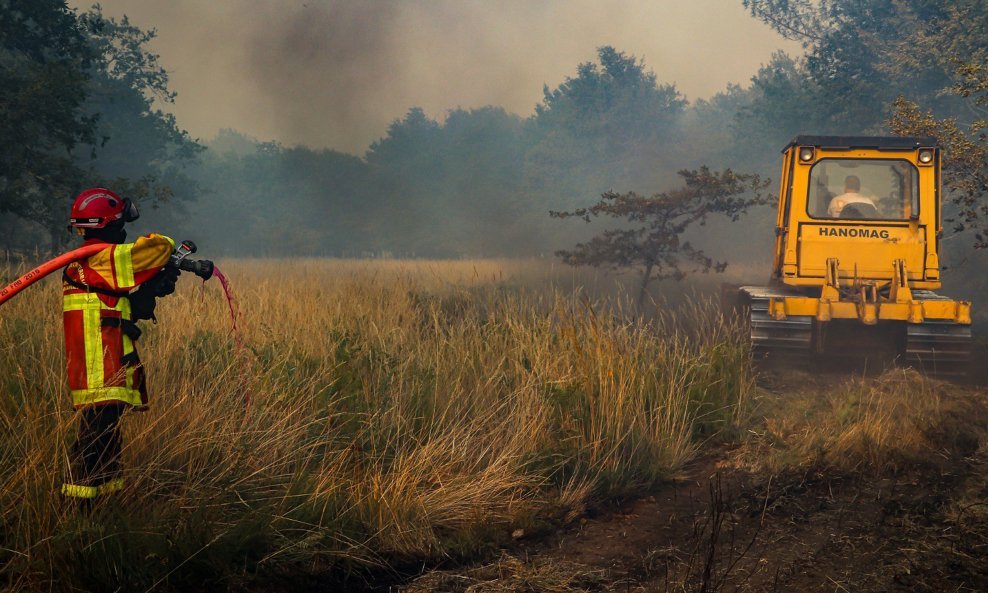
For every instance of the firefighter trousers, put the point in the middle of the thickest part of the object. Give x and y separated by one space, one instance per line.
95 456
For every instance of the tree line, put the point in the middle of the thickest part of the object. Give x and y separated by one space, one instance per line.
79 95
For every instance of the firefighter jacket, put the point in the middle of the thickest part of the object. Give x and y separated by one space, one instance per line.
101 360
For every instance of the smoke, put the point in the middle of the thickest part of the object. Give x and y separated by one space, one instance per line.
334 73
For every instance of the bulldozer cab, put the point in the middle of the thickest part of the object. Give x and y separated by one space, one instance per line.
865 202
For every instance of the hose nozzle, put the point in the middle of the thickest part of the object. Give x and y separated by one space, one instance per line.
200 267
179 259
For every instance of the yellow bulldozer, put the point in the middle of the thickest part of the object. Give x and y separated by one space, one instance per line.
857 257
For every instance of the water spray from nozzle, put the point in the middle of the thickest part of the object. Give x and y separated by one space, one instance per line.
205 270
179 259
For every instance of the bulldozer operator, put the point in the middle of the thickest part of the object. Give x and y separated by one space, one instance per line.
852 195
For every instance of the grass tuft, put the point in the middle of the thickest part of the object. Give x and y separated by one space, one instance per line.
900 420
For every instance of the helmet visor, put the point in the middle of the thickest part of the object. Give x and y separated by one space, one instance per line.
130 213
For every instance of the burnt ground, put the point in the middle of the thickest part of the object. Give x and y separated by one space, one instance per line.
723 527
724 530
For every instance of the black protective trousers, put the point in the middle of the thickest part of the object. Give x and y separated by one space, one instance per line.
96 453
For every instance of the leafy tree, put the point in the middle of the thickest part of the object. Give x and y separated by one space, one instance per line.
76 109
926 42
482 154
862 55
965 162
45 64
841 87
783 101
652 242
409 142
269 200
610 125
807 21
616 103
142 152
442 185
408 170
710 127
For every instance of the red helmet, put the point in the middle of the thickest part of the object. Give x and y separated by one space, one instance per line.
97 207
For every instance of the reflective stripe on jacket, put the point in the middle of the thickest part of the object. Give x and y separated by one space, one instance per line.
101 361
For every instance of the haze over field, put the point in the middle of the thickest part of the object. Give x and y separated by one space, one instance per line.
333 74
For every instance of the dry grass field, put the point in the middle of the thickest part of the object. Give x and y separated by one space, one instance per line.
377 414
484 426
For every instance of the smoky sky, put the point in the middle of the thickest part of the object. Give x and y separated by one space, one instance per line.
334 74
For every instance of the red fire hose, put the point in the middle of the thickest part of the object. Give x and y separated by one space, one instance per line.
9 291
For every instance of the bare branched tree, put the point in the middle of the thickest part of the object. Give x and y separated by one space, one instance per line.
653 241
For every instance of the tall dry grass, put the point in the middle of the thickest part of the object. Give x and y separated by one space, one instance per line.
398 412
897 421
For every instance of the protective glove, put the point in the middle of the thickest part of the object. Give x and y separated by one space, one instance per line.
142 303
163 283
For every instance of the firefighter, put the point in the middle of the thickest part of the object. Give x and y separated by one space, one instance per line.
100 312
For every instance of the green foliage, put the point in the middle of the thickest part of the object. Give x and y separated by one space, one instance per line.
142 152
447 176
612 125
861 55
45 62
709 125
440 188
265 199
76 93
784 101
617 103
965 163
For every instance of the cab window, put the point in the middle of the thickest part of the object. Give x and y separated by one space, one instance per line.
863 189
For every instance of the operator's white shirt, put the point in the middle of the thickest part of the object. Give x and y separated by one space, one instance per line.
837 204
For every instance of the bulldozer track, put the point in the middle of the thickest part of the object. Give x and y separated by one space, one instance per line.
791 338
936 347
